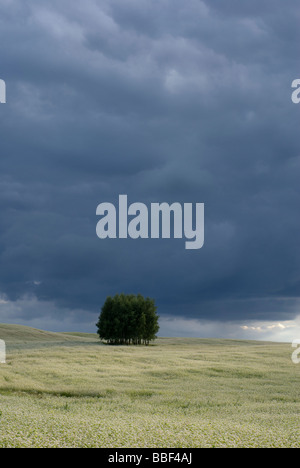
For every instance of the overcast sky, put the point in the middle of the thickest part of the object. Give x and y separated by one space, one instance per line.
165 101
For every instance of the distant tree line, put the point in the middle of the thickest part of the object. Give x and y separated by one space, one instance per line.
128 319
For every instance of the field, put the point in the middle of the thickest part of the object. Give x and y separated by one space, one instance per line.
69 390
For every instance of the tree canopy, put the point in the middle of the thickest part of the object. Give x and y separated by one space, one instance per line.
128 319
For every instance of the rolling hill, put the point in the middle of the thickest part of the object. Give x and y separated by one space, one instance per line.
20 335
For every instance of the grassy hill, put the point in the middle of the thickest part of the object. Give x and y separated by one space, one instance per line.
17 336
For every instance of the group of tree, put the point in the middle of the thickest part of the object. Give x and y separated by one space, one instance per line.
128 319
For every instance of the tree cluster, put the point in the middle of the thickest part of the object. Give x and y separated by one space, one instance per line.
128 319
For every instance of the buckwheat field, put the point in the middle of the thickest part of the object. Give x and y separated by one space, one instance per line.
69 390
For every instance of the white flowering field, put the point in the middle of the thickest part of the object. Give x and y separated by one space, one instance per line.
71 391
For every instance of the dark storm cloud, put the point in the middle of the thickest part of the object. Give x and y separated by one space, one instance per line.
164 101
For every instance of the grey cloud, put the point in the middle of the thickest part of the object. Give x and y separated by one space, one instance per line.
185 102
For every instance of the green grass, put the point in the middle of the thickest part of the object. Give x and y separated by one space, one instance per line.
69 390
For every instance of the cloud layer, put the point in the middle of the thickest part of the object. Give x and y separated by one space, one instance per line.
162 101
